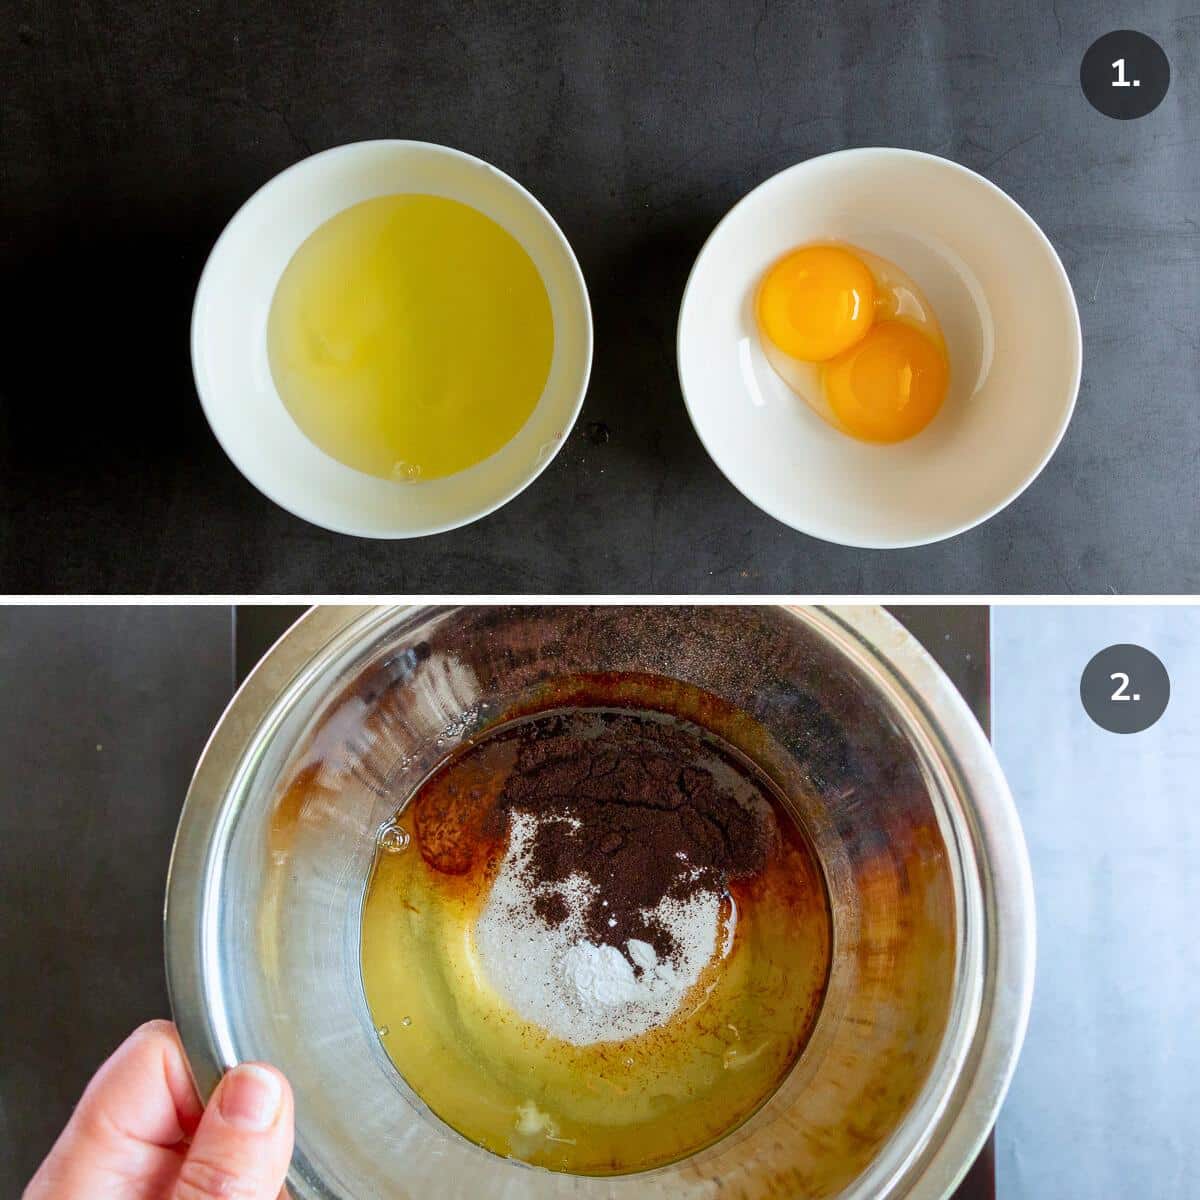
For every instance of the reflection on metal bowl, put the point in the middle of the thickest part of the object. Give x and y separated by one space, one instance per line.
882 762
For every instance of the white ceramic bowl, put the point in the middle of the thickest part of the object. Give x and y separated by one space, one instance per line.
1004 302
229 341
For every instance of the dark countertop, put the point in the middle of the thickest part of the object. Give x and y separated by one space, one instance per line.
131 133
103 713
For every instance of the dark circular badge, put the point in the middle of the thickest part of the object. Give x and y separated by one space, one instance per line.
1125 74
1125 689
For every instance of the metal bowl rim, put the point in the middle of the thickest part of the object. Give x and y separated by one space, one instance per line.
931 702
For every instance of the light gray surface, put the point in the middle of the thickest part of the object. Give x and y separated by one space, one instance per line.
133 132
1106 1096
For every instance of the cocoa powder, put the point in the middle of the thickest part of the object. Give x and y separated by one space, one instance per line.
641 809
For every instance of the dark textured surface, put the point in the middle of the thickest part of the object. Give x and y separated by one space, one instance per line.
957 636
103 713
131 133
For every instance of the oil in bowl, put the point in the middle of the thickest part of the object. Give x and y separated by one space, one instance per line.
410 337
595 940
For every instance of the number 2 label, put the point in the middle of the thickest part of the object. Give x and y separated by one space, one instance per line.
1120 693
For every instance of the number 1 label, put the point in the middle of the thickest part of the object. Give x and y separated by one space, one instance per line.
1121 81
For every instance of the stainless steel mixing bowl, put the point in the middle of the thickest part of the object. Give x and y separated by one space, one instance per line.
885 767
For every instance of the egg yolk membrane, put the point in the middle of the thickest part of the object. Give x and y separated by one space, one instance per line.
879 360
817 302
889 386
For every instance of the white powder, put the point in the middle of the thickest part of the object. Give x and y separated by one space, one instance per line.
572 988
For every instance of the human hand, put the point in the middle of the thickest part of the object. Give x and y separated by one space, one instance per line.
141 1133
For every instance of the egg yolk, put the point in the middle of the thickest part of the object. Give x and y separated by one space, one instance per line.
890 385
817 302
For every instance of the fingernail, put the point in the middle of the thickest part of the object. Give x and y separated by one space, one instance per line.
250 1097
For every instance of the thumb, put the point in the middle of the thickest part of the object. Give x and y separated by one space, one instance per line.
243 1144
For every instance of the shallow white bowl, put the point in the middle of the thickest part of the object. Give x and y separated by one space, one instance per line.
1004 303
229 341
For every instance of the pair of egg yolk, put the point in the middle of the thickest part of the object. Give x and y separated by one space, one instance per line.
883 378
